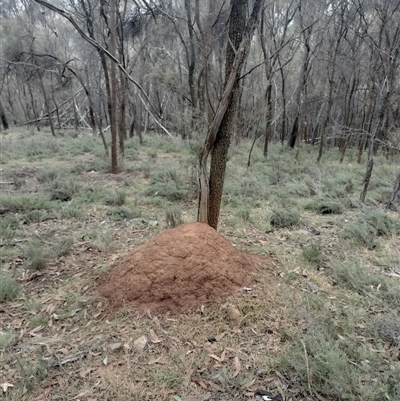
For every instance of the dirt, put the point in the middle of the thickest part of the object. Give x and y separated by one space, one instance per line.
183 267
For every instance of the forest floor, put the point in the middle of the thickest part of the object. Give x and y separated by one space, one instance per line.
318 318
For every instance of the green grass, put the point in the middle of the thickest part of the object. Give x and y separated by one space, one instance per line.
165 377
283 218
314 253
7 337
167 184
173 216
125 213
64 191
117 199
9 288
36 255
368 226
339 341
63 247
25 203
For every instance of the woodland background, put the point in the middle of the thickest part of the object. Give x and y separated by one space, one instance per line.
98 156
319 71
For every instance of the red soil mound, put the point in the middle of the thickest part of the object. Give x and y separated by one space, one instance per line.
183 267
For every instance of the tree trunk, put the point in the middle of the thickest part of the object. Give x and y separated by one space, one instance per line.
220 131
268 92
395 198
301 87
380 120
3 116
113 99
46 102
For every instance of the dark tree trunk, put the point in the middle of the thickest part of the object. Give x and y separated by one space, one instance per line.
220 132
46 102
395 198
3 116
112 103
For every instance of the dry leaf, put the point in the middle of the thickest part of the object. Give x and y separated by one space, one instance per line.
84 373
140 343
5 386
249 384
219 337
238 366
114 346
199 382
162 360
153 337
320 398
33 332
82 394
219 359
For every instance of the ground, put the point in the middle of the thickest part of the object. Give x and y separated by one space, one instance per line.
314 315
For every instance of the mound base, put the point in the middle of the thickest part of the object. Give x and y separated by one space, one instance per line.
183 267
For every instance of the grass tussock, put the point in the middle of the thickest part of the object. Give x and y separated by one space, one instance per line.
36 255
323 310
283 218
25 203
314 254
9 288
173 216
368 226
169 185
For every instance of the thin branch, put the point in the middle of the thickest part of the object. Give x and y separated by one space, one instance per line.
99 47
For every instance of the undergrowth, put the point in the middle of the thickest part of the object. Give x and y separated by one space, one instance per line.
335 259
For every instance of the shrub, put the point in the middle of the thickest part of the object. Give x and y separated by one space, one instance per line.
323 205
355 276
167 184
243 214
384 225
6 338
37 216
360 233
36 257
313 253
118 199
10 222
368 226
285 218
173 216
64 247
124 213
165 377
47 176
64 191
24 203
9 288
71 211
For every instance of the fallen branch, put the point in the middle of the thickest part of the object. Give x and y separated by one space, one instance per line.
68 359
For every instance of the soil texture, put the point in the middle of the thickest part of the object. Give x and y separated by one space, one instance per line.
183 267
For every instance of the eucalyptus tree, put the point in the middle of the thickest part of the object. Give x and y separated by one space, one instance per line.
388 45
309 16
275 21
241 30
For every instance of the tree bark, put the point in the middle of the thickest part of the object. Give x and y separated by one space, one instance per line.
113 90
395 198
46 102
220 131
3 117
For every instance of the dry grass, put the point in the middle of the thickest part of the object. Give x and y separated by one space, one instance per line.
60 343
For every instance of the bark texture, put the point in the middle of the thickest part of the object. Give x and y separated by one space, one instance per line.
3 116
220 131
